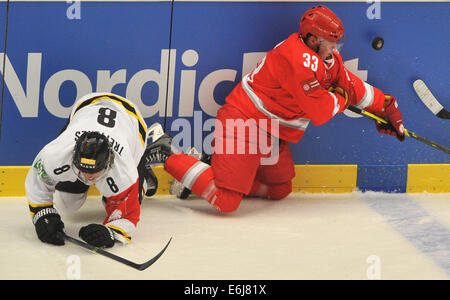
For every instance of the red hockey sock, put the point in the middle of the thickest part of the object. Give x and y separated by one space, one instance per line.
198 177
191 172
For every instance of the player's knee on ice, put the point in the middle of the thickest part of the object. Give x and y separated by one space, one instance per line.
279 191
226 200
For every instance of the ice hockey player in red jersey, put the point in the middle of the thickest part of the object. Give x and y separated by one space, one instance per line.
302 80
101 145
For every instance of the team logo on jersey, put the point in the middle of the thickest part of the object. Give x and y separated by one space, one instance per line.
310 85
39 166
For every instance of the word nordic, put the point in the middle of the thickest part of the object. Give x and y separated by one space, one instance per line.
27 98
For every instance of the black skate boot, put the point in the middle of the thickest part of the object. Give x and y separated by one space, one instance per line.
150 185
161 147
148 182
160 150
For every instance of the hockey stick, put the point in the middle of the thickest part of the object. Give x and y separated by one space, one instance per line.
429 100
100 251
407 132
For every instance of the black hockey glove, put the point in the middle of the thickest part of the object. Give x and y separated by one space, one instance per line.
49 226
97 235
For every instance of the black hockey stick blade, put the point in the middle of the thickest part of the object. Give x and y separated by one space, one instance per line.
443 114
407 132
122 260
147 264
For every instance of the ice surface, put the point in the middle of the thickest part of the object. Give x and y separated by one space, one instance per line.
305 236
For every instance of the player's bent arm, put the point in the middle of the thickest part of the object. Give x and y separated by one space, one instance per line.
301 82
39 187
323 105
361 94
123 213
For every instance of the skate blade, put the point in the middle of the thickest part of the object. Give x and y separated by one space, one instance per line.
154 132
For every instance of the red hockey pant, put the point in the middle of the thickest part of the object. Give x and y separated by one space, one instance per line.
246 161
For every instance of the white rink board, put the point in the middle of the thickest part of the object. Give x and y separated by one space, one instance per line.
305 236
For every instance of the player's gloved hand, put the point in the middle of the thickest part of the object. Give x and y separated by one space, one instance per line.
340 91
392 114
49 227
97 235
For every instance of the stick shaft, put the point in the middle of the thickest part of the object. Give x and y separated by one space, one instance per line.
407 132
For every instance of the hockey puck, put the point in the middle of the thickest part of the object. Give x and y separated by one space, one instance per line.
377 43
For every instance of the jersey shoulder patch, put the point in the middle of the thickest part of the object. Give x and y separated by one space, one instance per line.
310 85
40 171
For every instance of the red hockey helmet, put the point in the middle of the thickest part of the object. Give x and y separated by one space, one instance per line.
322 22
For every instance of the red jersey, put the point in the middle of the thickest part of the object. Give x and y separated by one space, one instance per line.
290 85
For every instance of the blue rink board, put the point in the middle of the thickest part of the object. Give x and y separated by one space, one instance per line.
131 36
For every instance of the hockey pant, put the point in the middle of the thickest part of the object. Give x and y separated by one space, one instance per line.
234 174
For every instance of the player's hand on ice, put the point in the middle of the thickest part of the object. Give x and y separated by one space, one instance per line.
392 114
49 226
97 235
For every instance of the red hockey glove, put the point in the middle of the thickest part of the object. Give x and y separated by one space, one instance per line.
392 114
341 91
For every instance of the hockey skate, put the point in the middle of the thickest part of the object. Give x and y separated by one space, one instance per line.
150 184
154 132
160 148
176 187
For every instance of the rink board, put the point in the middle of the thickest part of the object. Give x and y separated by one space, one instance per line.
179 60
419 178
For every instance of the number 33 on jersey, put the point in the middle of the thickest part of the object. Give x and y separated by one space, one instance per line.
311 62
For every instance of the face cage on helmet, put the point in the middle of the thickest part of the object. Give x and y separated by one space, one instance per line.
326 48
338 45
85 180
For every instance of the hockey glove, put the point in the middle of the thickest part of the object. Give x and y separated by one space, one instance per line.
49 226
341 91
391 113
97 235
